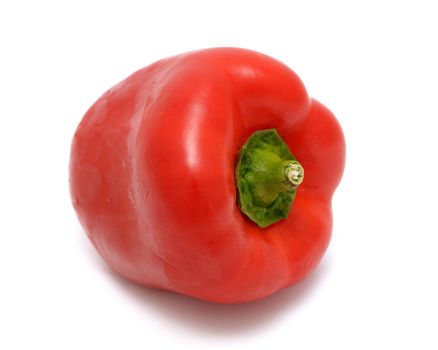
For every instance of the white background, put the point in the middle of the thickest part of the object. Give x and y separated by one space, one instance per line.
373 63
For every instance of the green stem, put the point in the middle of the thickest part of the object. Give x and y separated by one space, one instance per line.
267 175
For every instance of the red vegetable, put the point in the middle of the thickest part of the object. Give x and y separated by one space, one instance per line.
188 175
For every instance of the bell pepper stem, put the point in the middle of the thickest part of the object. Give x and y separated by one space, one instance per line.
267 176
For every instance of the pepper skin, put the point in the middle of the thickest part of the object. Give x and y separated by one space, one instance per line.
152 175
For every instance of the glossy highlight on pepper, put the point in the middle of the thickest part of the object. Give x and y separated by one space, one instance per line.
154 175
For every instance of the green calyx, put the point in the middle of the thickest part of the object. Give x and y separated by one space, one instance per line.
267 176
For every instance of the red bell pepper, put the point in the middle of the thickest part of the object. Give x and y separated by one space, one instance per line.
210 174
